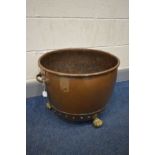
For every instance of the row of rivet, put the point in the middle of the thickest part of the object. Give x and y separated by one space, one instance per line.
73 117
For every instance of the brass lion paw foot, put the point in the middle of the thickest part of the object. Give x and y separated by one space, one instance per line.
97 122
49 106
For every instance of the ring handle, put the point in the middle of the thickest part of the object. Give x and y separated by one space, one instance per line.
39 78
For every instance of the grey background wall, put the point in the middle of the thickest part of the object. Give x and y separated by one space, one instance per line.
97 24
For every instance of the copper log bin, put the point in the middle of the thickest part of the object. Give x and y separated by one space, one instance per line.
79 82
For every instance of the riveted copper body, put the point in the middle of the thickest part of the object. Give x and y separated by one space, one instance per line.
79 82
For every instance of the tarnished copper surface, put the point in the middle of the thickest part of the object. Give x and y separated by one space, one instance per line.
79 82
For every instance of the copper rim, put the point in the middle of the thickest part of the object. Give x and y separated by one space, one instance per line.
78 75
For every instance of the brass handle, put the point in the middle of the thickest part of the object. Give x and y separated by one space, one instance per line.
39 78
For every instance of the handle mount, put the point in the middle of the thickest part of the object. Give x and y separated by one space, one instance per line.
39 78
